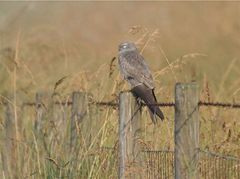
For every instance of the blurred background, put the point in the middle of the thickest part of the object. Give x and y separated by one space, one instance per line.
73 39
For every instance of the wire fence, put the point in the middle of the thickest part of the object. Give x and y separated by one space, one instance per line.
5 100
160 164
218 166
164 104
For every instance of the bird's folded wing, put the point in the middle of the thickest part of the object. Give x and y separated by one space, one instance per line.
133 66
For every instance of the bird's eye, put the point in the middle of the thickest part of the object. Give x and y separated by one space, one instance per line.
124 46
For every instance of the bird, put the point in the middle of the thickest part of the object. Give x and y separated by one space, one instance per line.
136 72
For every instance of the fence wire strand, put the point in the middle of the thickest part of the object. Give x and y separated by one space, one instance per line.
164 104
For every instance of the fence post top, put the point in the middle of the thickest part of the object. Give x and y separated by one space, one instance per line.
79 92
125 92
185 85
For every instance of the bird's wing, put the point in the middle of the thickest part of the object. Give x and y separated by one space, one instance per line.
150 99
133 67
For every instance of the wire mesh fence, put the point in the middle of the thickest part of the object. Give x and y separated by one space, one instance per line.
160 165
214 165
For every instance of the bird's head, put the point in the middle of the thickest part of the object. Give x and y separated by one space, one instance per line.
127 46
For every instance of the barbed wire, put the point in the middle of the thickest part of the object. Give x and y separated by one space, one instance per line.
219 104
172 104
116 104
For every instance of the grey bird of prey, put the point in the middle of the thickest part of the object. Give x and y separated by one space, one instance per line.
135 71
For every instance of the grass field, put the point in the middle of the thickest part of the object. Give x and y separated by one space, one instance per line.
61 47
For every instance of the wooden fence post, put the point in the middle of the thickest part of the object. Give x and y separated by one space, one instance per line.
129 134
39 112
79 110
9 155
186 131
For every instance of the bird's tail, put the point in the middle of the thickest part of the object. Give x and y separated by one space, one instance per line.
148 96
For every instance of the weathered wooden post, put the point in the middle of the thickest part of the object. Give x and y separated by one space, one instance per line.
9 152
79 110
186 131
129 134
39 112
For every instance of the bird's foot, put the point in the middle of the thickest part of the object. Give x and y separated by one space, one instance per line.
139 101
